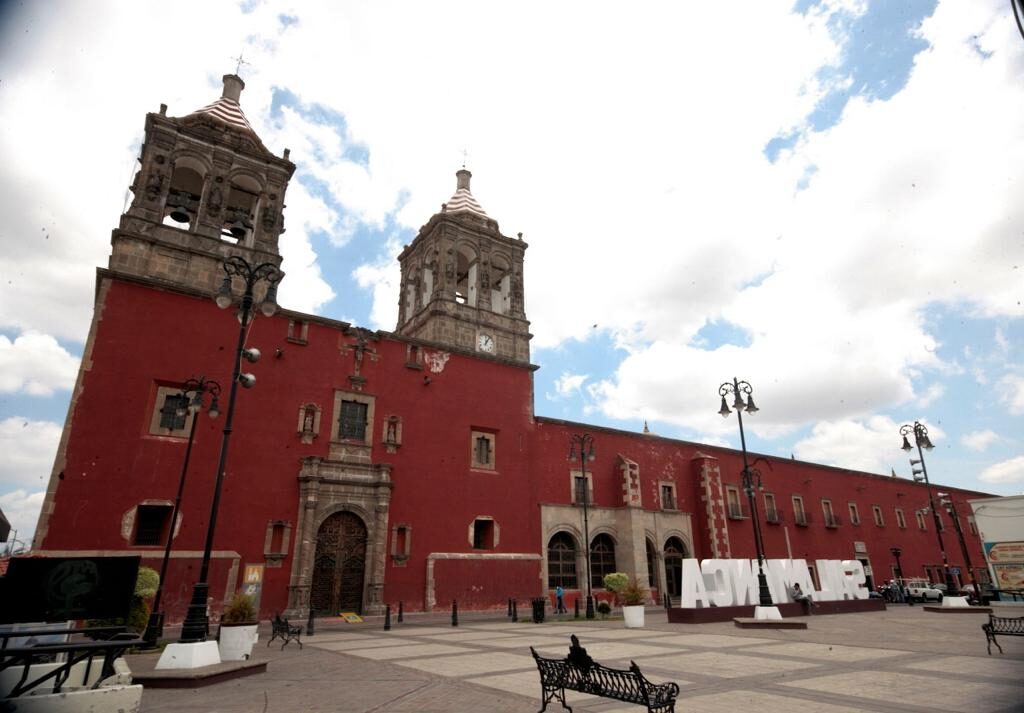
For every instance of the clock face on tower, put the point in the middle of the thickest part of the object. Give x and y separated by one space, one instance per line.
485 343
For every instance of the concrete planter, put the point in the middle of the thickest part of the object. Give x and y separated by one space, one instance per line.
634 616
236 641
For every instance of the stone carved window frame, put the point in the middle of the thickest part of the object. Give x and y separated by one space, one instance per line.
574 491
391 433
358 397
491 437
275 557
673 504
162 392
298 331
400 531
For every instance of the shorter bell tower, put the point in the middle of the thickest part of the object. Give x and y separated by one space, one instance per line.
462 282
207 188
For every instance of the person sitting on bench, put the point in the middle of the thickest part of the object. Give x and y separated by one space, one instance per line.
799 595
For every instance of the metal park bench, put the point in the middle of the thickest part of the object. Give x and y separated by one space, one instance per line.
281 627
579 672
84 664
1001 626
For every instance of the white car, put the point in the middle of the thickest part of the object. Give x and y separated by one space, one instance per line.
919 590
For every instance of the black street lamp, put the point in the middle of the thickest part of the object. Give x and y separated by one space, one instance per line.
586 452
921 440
196 387
196 625
737 389
946 500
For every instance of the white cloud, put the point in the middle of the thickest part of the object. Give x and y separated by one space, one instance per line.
979 440
870 445
568 384
36 364
1009 471
28 447
930 395
21 508
1011 393
383 277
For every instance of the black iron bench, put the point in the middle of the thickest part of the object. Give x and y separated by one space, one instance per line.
281 627
92 653
1002 626
579 672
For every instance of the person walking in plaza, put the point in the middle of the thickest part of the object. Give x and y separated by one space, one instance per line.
559 600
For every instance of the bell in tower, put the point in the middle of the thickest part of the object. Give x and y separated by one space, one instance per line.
462 282
207 188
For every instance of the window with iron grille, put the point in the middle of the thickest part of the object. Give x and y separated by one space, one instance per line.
174 412
771 512
879 519
562 561
581 490
854 514
352 423
799 514
920 521
900 520
483 454
151 524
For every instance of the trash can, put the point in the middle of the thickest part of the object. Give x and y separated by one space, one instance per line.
538 610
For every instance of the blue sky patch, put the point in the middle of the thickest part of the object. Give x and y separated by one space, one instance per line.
718 333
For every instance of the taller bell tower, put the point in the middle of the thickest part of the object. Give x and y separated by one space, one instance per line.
207 188
462 282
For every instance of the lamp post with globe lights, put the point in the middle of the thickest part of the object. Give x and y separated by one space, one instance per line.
196 625
737 389
584 442
921 440
186 404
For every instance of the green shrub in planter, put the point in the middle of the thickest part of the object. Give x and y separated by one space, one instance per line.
146 583
240 610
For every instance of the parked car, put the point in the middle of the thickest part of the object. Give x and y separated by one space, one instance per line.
920 590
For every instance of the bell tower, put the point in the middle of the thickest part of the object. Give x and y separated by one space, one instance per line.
207 188
462 282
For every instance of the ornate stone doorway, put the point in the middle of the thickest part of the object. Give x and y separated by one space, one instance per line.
339 565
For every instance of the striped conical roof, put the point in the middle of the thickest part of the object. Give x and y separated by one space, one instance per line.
227 109
463 201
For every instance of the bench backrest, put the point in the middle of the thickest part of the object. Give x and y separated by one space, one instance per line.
1006 624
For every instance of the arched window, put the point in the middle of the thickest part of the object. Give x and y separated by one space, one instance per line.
651 559
602 559
184 193
562 561
675 553
240 211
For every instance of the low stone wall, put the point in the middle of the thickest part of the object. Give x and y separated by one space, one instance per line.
702 615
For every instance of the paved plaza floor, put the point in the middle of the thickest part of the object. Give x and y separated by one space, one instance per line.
903 659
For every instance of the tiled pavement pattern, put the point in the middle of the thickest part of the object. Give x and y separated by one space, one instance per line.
902 660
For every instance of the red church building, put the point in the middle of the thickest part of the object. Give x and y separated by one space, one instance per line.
368 468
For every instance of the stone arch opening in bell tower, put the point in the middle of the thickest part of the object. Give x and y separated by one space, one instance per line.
185 192
466 276
240 212
501 285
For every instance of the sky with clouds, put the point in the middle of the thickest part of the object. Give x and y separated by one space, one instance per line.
821 198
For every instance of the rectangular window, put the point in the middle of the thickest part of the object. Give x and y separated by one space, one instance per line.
298 331
879 520
972 526
732 501
581 489
799 515
151 524
771 513
854 514
483 534
830 517
352 422
174 412
483 454
901 521
668 497
920 520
